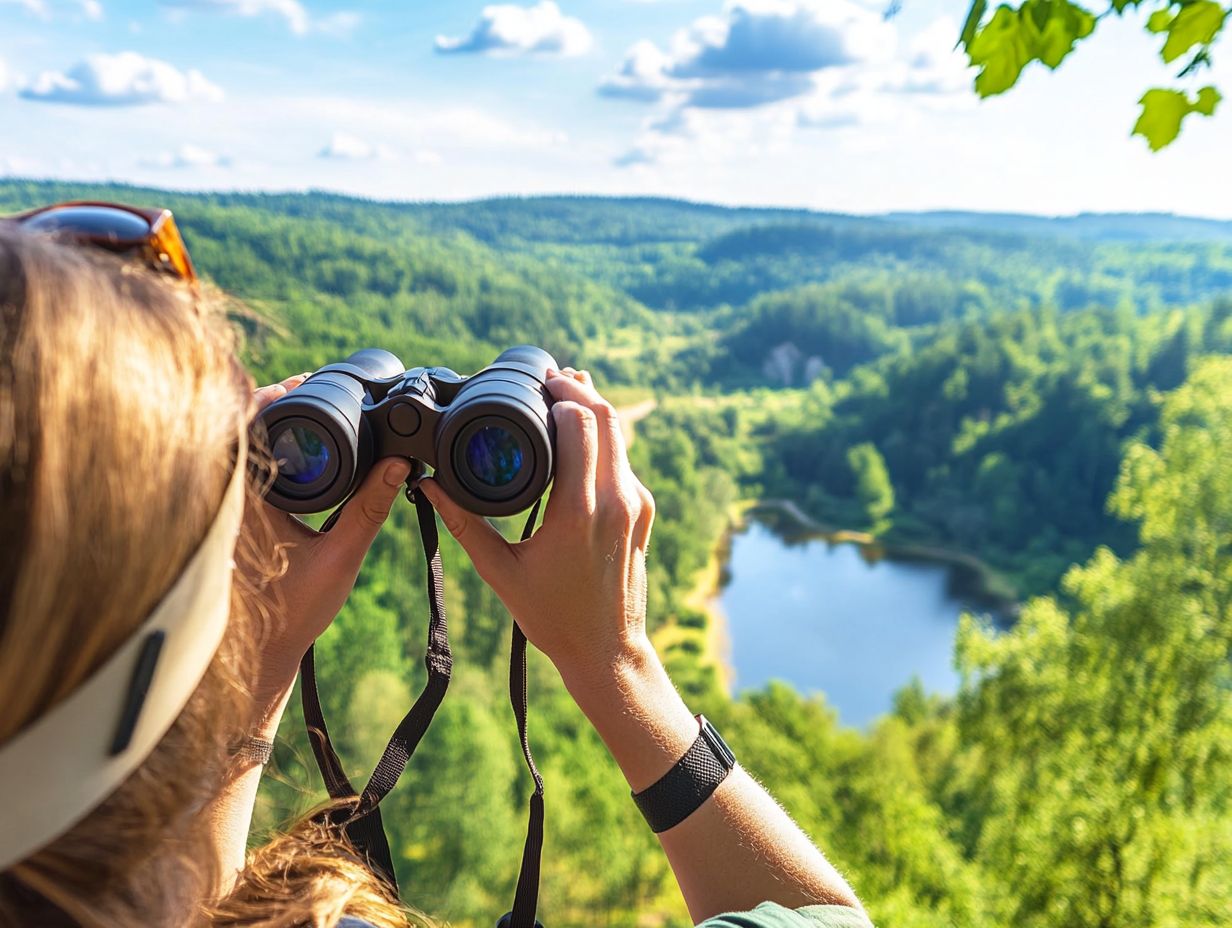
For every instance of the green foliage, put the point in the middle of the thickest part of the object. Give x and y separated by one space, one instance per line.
1010 442
1039 30
1101 730
1047 31
1194 23
873 488
1036 393
1163 111
792 337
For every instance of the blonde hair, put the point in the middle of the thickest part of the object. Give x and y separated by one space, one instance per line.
121 397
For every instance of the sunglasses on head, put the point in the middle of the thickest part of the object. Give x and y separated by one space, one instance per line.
149 235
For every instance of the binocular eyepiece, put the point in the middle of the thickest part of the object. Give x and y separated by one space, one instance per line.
489 437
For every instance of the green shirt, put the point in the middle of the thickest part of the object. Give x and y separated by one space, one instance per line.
766 915
773 915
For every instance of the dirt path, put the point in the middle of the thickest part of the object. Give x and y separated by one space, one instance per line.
704 595
630 415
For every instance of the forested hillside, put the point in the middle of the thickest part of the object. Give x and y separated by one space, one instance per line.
1053 398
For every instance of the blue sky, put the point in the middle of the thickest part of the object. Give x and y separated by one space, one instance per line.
819 103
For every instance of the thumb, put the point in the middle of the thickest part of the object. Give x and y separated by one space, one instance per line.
491 554
367 510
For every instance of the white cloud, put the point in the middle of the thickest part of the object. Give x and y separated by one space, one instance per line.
292 12
17 166
508 29
441 128
779 65
188 156
36 7
4 75
124 79
712 137
757 52
782 35
427 157
343 23
643 75
91 9
932 64
346 147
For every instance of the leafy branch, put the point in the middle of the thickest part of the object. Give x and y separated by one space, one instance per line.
1003 44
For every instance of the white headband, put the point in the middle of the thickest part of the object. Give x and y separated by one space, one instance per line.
54 772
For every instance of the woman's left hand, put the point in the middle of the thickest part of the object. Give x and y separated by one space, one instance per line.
321 566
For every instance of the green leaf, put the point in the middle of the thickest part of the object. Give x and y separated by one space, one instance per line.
1208 98
1039 30
1000 52
1197 23
1164 110
1159 21
1064 25
974 16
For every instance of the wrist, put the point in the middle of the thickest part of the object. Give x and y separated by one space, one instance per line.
598 678
269 701
634 707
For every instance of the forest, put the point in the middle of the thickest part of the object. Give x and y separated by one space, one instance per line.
1050 397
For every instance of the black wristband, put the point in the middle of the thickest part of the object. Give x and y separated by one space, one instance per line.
680 791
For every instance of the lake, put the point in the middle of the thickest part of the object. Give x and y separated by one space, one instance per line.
822 617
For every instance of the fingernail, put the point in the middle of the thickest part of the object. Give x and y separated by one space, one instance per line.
396 472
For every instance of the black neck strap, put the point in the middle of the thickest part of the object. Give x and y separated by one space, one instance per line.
361 820
526 898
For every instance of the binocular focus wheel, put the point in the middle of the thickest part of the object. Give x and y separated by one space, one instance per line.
506 921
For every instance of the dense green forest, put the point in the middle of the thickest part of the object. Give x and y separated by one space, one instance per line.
1052 397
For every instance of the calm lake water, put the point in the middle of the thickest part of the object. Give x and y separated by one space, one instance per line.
823 618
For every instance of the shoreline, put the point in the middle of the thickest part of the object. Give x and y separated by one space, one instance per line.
985 585
978 581
703 596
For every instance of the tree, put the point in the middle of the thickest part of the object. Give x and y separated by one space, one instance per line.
1002 45
1097 733
873 487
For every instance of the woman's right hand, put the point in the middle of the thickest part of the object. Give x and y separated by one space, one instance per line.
578 586
578 589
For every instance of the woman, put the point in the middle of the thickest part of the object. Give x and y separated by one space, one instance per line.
122 404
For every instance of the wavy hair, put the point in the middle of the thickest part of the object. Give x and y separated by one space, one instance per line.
107 373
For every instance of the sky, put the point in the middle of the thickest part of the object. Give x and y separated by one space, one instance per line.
826 104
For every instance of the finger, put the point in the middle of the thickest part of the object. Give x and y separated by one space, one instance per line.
577 449
645 518
263 396
491 554
566 386
366 511
295 380
613 460
286 527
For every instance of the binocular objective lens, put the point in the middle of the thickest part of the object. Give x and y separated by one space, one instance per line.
494 456
302 455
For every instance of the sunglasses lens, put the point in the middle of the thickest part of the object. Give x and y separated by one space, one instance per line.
93 221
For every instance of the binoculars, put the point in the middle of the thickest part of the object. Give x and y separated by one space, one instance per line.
488 437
